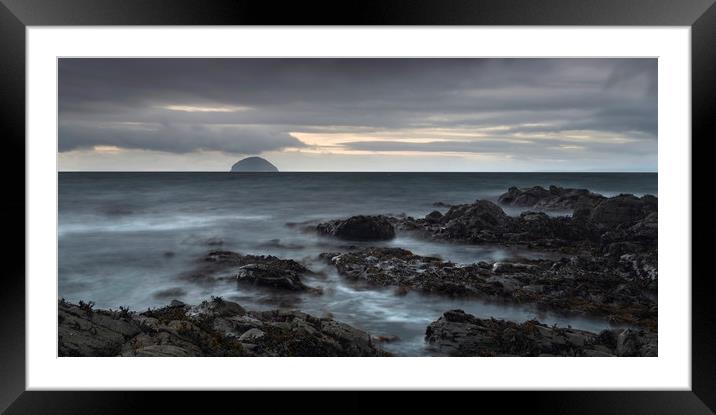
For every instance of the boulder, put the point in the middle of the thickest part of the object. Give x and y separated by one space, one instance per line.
624 209
468 221
257 270
523 197
556 198
266 275
359 228
434 217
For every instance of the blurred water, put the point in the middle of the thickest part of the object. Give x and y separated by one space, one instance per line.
126 237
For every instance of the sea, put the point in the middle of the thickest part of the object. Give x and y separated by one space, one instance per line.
128 239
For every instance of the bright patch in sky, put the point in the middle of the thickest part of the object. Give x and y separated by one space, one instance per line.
195 108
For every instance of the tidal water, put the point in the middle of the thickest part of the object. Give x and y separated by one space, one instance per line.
125 239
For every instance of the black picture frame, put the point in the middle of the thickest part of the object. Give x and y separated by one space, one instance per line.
15 15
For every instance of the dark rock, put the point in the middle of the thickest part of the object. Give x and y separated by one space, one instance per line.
473 221
251 335
87 332
359 228
623 210
556 198
596 223
434 217
523 197
270 276
212 328
395 267
292 333
258 270
598 286
457 333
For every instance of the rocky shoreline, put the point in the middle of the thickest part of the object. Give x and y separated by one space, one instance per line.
221 328
604 260
603 263
456 333
213 328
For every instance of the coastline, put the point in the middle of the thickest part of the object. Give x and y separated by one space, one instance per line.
603 265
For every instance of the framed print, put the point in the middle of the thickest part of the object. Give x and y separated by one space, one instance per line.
398 197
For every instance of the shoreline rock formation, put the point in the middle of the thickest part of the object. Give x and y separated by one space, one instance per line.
457 333
212 328
265 271
359 228
554 198
620 292
618 219
604 258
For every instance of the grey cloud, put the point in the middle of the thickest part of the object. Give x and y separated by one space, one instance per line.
345 95
542 146
177 138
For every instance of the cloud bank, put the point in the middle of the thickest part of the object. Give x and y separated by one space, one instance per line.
577 113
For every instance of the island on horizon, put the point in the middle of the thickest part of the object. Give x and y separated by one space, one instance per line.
253 164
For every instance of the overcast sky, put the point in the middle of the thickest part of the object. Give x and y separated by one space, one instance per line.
359 114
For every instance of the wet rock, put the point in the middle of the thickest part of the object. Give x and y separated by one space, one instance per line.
580 284
268 276
400 268
228 258
359 228
161 350
523 197
632 342
83 331
292 333
640 268
596 223
556 198
511 267
212 328
457 333
251 334
258 270
217 307
434 217
477 221
624 209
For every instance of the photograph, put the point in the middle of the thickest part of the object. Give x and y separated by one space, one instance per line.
357 207
236 197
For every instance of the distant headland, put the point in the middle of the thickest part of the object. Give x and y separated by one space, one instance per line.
253 164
